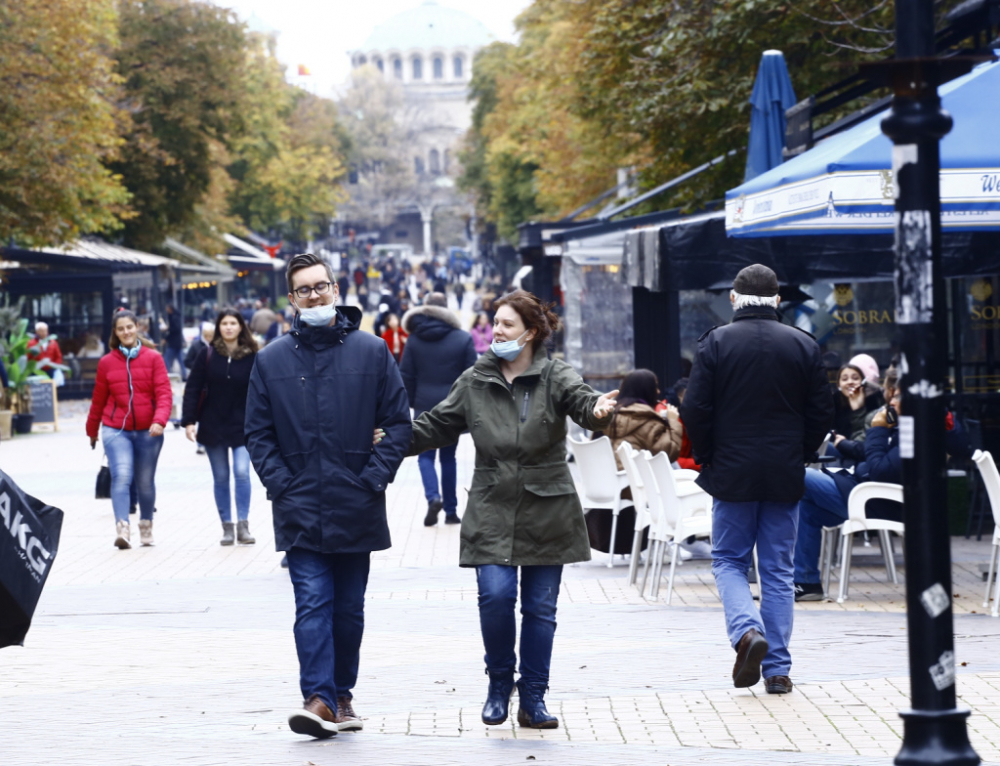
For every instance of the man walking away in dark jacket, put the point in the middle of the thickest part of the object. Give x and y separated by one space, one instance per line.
756 410
174 341
437 353
317 394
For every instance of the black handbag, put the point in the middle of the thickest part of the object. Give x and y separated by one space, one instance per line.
102 490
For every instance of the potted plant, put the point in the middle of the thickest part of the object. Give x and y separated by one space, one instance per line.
20 369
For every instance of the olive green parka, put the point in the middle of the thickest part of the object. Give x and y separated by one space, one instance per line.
523 509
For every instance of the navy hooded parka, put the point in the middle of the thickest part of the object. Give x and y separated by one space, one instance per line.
316 396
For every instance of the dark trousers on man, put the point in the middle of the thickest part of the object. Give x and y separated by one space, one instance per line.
329 620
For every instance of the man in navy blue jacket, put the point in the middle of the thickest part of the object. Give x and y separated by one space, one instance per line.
825 500
317 394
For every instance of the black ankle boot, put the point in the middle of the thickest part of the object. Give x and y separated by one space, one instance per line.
497 705
531 712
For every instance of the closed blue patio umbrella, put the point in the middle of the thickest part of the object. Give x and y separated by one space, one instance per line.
772 95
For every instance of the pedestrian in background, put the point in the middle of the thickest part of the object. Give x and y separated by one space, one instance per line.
756 410
317 394
174 341
215 400
394 336
130 405
437 353
482 333
523 517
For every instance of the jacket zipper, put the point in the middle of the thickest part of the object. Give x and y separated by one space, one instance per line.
229 361
524 405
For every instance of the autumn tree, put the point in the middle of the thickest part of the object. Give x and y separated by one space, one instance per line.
287 160
57 121
181 63
375 118
659 86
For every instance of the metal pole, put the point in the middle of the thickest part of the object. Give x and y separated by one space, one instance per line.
934 731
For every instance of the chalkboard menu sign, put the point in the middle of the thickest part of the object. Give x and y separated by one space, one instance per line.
44 402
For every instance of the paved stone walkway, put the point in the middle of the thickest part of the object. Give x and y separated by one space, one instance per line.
183 653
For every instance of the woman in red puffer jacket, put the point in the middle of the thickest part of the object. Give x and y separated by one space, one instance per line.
131 405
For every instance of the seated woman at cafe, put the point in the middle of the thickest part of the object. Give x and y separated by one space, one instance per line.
857 396
825 501
637 422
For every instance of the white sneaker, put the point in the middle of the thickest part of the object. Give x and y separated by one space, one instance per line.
123 530
699 549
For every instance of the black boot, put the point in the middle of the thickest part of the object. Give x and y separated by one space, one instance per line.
497 705
531 712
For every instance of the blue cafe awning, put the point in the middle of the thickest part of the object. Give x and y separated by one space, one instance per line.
845 184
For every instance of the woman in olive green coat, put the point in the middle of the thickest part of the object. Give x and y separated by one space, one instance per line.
523 512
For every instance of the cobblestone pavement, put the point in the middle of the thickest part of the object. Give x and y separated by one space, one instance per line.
183 653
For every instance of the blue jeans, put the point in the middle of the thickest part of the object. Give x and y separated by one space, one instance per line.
131 454
448 495
329 620
736 528
170 355
821 506
497 600
218 458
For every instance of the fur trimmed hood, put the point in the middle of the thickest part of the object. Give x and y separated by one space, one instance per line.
241 352
431 312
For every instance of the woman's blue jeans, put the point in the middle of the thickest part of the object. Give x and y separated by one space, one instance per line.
131 453
497 601
218 458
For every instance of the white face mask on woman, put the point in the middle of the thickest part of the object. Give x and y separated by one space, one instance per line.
508 350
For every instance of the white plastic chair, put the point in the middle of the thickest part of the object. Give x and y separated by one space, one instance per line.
682 510
991 480
857 521
602 481
628 456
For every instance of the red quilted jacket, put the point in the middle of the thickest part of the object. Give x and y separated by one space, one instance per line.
151 396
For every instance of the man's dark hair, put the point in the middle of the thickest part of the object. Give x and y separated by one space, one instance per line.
304 261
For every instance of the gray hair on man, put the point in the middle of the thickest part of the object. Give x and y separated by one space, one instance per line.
755 285
741 301
41 326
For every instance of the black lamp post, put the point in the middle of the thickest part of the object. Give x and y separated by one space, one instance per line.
934 731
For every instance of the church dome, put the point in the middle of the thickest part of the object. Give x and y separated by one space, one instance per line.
428 26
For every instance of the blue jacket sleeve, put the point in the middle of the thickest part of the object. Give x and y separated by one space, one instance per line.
261 436
393 416
408 371
3 375
882 458
956 442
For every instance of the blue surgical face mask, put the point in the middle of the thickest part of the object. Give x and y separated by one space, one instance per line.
130 353
318 316
508 350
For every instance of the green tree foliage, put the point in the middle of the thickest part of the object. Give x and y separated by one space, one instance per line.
180 61
287 159
656 85
57 121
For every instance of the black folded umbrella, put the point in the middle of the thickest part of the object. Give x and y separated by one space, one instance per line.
29 537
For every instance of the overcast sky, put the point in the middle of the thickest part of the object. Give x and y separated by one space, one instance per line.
319 33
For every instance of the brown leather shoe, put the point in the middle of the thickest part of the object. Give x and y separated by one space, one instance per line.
315 719
749 653
778 684
347 719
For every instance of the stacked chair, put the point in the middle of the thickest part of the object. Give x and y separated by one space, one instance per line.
602 481
991 480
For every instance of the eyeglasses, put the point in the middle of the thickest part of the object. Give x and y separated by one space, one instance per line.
320 288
